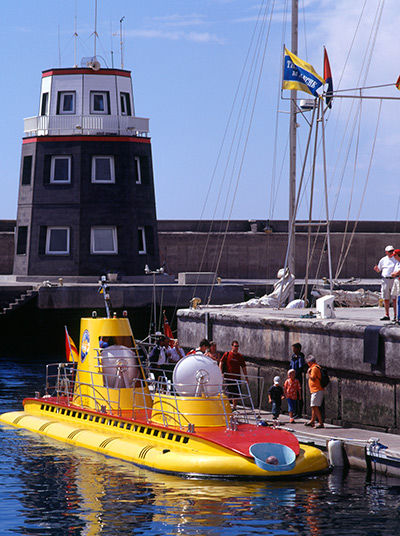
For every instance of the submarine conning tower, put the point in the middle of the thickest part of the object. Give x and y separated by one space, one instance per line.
86 201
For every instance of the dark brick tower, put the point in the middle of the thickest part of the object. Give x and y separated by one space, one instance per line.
86 202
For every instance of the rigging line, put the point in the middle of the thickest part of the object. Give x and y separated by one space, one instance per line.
205 249
352 42
305 29
161 309
247 137
276 130
352 189
378 19
311 201
239 135
346 158
103 50
328 230
281 172
367 62
340 81
376 25
397 215
293 219
231 111
366 182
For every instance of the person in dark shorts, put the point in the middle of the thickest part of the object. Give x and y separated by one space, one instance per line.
275 397
298 363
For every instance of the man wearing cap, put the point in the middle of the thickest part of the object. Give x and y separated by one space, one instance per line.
386 267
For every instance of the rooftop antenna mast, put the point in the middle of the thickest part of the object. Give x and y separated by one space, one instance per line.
95 28
59 47
121 41
75 34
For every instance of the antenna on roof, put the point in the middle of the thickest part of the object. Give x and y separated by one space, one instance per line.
95 27
121 41
59 47
75 34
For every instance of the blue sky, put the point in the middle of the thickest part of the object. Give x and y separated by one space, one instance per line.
187 57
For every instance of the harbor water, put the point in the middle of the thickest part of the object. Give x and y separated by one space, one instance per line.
47 488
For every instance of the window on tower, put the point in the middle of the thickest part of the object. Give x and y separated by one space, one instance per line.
100 102
138 170
103 240
22 239
103 169
141 241
66 102
60 171
45 100
26 170
57 241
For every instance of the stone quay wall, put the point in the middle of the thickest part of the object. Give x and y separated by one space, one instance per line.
358 394
259 255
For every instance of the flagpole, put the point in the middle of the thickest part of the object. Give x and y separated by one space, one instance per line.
292 170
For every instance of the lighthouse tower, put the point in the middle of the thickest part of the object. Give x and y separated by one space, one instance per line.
86 202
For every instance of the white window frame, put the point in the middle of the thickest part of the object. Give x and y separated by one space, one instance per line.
62 94
112 170
144 250
105 97
92 242
125 103
48 236
52 169
138 171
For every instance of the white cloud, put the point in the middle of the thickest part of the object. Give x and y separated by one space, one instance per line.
181 20
178 35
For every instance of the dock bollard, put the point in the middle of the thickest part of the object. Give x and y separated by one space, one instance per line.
336 453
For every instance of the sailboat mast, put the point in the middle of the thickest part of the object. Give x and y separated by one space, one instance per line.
292 137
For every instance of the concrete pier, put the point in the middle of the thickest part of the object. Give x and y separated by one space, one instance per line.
359 394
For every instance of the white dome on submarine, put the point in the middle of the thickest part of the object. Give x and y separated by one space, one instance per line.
196 374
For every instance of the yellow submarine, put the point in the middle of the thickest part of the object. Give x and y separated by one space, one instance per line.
111 402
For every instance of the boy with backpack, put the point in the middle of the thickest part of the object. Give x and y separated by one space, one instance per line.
315 381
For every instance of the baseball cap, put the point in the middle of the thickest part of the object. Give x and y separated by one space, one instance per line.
389 248
277 379
397 252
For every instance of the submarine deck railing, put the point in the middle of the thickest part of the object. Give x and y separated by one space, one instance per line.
103 391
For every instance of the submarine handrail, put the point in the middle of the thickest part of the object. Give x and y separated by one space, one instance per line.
75 389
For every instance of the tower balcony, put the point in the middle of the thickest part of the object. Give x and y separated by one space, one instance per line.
89 125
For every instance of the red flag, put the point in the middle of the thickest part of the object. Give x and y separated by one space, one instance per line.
168 331
398 83
328 80
70 348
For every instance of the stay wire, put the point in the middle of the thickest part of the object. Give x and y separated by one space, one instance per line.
238 135
246 139
228 123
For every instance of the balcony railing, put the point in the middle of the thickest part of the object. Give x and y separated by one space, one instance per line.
62 125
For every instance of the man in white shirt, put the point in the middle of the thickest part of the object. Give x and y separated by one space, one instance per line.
386 267
396 284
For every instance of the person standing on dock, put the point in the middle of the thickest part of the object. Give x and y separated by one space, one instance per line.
386 267
292 391
275 397
396 284
298 363
231 365
317 392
